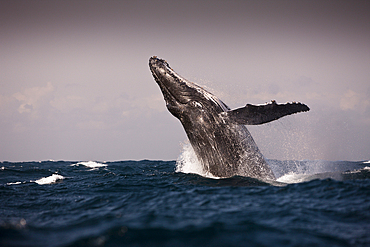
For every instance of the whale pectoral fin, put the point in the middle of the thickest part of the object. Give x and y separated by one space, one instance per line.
253 114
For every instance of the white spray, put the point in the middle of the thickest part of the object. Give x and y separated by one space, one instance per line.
188 162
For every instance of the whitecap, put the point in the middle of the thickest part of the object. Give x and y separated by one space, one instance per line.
358 171
367 162
90 164
13 183
49 180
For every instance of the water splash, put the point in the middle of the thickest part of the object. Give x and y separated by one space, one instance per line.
188 162
294 171
286 171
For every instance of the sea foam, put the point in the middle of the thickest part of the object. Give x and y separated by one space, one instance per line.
90 164
14 183
49 180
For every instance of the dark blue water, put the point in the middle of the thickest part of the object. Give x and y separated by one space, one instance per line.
147 203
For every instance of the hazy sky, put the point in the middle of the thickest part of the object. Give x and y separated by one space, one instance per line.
75 82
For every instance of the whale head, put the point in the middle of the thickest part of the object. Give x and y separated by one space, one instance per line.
183 98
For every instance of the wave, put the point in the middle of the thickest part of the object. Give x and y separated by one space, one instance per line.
49 180
46 180
14 183
90 164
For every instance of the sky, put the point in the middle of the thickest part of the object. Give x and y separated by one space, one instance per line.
75 82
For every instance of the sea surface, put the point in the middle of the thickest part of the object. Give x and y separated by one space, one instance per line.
171 203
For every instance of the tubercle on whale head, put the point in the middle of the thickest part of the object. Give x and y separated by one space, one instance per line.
154 61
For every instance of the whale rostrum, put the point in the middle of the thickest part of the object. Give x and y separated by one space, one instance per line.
218 135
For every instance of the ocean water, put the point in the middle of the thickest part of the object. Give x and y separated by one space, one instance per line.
174 203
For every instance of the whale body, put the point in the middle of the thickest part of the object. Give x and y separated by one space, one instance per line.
218 135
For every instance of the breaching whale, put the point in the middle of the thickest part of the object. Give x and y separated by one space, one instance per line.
218 135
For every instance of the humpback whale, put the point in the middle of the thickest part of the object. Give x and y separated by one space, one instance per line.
218 135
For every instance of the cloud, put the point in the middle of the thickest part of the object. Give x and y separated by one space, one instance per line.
154 102
352 101
69 102
30 98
